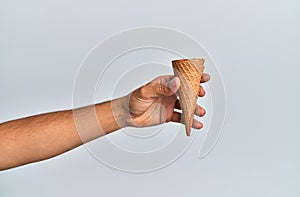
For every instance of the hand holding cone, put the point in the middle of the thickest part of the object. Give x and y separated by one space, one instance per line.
189 72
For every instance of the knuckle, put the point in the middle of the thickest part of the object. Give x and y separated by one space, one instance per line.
143 90
163 89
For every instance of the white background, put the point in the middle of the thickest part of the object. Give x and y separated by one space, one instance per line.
255 44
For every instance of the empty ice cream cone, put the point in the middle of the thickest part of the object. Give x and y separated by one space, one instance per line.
189 72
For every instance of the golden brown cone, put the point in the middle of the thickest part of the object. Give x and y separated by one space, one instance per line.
189 72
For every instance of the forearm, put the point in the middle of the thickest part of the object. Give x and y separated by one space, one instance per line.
43 136
36 138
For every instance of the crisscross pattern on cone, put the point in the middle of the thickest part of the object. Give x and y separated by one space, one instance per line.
189 72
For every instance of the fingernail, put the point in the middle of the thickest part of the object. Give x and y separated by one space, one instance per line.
174 83
200 126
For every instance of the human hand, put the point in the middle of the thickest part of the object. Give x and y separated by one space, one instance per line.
154 103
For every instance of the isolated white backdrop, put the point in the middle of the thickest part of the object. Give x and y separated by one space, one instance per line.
255 44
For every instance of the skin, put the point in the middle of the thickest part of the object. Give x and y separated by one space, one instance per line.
43 136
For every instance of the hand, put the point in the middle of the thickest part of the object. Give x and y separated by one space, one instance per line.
154 103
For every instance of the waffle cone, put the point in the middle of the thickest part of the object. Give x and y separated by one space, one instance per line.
189 72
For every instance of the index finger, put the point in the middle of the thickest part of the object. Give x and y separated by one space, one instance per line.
205 78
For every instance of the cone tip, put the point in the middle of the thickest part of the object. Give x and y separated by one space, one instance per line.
188 130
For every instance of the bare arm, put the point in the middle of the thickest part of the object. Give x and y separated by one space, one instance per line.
40 137
43 136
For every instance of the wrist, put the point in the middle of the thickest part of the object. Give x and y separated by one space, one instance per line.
112 115
119 109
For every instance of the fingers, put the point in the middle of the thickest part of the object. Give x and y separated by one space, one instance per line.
168 85
199 111
177 104
201 92
205 78
197 124
177 118
161 86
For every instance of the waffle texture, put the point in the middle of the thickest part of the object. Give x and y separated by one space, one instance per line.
189 72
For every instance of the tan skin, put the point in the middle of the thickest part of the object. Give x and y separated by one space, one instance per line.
43 136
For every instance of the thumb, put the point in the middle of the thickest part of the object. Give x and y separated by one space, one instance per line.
161 86
167 88
174 84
